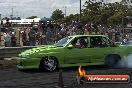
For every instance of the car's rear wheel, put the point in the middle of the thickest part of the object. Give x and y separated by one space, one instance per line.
49 63
112 60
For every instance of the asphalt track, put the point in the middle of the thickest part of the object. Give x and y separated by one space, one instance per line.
13 78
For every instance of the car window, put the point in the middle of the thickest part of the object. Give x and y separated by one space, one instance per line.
105 42
96 41
127 43
80 42
63 42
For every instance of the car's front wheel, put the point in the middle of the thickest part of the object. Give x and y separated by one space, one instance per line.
49 63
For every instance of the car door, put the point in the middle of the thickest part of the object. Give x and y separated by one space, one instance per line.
99 48
77 54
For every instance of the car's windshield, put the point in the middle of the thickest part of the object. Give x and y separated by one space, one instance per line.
63 41
127 43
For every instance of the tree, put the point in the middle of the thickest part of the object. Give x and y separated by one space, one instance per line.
98 12
106 14
57 15
32 17
116 18
18 18
5 18
91 10
71 17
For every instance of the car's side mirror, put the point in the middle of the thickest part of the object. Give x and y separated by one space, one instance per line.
70 46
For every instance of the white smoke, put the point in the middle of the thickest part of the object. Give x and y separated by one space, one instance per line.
126 62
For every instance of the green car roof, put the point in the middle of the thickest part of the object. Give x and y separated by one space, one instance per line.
87 35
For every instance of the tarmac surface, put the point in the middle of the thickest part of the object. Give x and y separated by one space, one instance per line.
11 77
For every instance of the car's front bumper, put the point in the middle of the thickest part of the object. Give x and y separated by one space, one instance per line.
28 63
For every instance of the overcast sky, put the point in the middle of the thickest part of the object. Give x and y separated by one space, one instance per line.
40 8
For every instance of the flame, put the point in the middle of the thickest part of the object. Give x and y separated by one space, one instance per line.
81 71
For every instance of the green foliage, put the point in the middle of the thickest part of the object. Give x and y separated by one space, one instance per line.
57 15
116 18
68 19
32 17
98 12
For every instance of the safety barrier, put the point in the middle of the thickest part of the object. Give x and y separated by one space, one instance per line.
13 51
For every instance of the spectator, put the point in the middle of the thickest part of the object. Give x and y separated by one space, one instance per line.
24 38
32 38
13 40
40 40
7 39
49 36
110 34
85 29
50 25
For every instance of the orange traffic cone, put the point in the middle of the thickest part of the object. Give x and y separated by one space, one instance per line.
60 81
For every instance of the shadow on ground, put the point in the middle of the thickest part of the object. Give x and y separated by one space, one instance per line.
92 67
68 69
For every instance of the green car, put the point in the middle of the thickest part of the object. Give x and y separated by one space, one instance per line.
74 51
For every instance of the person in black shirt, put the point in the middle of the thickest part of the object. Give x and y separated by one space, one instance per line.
13 41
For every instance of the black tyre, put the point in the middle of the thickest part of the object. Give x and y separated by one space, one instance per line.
49 63
112 60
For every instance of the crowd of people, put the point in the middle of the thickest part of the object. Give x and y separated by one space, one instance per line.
49 34
9 39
